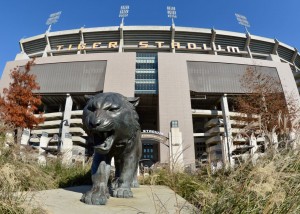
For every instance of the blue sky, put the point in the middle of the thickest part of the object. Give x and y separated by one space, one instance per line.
268 18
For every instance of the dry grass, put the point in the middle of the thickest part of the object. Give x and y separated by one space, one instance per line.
20 176
16 179
19 179
270 186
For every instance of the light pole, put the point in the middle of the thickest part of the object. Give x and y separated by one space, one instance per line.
63 123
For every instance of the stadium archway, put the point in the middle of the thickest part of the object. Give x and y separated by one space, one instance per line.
151 143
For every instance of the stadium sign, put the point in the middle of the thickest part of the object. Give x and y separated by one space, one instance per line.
154 135
153 132
157 44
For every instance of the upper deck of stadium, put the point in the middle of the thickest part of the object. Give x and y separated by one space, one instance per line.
158 39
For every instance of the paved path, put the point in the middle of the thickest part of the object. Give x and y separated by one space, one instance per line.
147 199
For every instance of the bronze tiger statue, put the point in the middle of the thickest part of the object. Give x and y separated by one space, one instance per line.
111 123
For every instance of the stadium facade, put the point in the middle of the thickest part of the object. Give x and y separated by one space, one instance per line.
184 77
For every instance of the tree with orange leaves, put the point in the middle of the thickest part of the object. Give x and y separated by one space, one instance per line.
19 102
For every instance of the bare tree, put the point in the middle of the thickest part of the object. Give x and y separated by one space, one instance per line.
265 97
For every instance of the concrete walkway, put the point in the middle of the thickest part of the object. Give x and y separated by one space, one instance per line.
146 199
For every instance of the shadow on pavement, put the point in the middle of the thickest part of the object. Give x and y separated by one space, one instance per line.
79 189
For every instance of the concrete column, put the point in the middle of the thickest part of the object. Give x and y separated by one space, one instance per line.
9 139
67 117
275 48
121 43
227 143
21 46
294 56
25 137
212 42
253 142
175 103
173 50
48 48
22 56
82 38
44 140
274 58
66 149
247 45
176 148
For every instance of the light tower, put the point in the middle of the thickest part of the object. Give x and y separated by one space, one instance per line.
53 18
124 10
171 11
242 20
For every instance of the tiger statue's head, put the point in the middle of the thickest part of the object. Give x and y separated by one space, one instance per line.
110 120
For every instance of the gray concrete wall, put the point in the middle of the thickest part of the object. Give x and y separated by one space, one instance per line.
120 70
174 92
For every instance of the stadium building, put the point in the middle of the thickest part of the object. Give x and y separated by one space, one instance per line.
184 77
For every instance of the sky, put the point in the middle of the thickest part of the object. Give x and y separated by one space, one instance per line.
25 18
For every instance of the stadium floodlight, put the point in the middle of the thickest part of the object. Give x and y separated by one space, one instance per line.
124 10
242 20
53 18
171 13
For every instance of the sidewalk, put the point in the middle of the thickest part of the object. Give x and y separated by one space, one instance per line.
146 200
